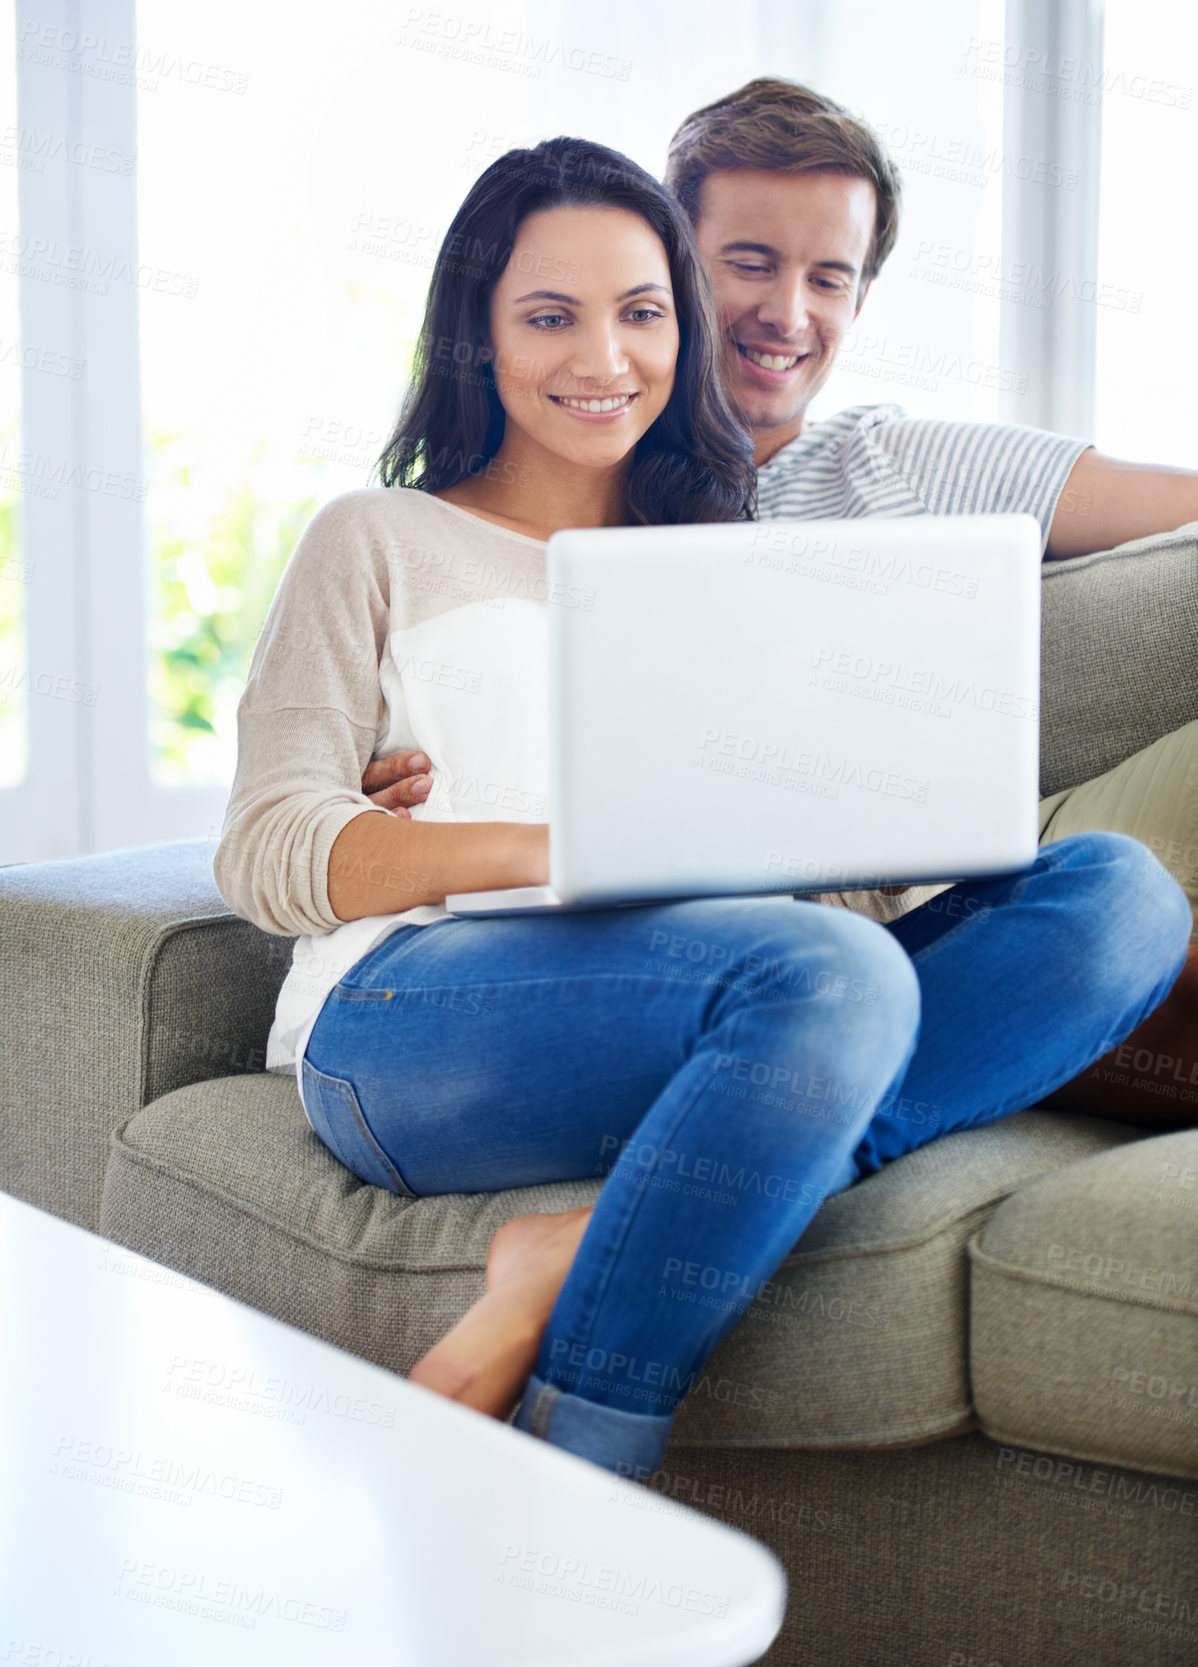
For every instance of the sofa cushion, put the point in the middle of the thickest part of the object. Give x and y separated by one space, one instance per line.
1085 1310
862 1340
859 1340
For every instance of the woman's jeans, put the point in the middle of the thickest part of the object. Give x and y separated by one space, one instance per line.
726 1064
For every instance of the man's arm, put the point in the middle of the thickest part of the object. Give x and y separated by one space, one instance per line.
1106 502
399 782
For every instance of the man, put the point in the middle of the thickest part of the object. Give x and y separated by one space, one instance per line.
795 208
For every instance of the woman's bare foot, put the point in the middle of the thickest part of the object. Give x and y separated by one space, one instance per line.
484 1361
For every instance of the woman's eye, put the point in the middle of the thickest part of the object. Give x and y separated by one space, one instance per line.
744 266
645 312
548 319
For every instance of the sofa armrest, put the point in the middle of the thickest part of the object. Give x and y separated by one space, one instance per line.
125 976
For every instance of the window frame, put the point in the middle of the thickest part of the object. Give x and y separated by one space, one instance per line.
89 785
1049 229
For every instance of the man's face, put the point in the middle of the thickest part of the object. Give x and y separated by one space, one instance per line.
785 254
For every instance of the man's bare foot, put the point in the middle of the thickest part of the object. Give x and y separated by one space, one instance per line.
484 1361
1152 1077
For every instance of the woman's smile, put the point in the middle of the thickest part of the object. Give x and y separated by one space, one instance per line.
595 408
599 349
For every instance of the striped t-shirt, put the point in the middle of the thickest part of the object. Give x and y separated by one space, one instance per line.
875 460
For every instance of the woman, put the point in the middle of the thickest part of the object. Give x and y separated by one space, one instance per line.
567 376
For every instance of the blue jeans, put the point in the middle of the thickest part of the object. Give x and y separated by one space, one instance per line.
727 1064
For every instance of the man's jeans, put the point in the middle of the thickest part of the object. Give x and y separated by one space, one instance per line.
727 1064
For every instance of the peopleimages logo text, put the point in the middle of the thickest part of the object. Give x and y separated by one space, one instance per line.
842 662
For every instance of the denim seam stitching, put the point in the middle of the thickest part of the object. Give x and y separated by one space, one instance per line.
640 1198
979 919
359 1119
542 1412
930 949
557 982
390 1168
1017 891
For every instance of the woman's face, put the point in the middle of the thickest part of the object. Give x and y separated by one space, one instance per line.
584 333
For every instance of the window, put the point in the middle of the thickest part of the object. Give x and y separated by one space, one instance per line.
15 572
1148 237
225 234
927 337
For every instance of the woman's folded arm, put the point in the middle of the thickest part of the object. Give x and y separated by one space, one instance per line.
307 721
385 864
290 801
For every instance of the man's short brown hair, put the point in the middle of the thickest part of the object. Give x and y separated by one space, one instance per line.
783 126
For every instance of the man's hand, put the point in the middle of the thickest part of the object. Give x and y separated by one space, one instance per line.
399 782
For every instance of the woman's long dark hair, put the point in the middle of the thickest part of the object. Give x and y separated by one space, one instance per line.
695 463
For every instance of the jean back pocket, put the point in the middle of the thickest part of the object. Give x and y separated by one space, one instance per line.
336 1115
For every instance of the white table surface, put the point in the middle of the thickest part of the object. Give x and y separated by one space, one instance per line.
183 1480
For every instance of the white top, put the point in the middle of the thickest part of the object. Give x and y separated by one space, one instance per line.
400 621
875 460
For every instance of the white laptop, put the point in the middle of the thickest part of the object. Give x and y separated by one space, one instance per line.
787 706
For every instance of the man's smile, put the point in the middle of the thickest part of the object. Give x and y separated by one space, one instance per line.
775 365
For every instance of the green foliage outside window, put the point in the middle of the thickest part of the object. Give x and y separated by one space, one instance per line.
216 555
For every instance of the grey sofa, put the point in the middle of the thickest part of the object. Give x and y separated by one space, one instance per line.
964 1413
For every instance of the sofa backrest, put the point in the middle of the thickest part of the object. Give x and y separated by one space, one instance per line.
1119 667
